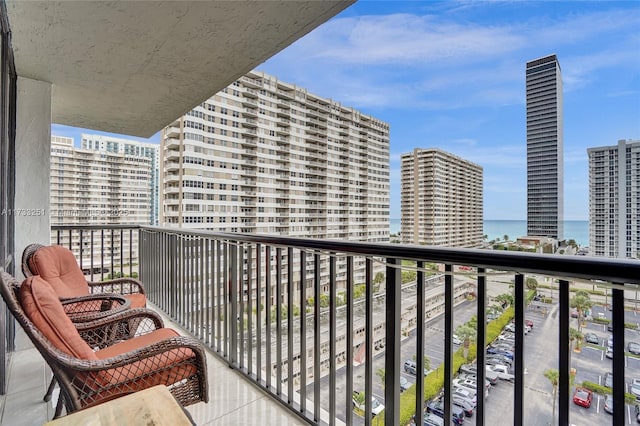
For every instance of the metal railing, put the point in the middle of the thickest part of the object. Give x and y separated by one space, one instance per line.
288 314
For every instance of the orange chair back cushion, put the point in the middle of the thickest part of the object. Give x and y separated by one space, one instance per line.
42 306
57 265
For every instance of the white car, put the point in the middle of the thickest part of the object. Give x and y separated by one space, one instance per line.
635 387
376 406
456 340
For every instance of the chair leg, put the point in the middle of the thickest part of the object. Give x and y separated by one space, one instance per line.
47 396
58 407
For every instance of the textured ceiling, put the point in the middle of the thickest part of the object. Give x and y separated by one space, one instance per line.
131 67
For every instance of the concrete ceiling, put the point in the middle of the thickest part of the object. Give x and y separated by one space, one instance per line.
132 67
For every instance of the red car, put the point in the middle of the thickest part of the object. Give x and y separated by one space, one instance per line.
583 397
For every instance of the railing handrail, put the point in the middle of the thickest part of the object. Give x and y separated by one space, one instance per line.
94 227
618 271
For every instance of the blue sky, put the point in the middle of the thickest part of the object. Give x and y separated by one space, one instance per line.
451 75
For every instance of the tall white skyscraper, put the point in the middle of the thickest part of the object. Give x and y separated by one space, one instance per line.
267 156
441 199
545 196
614 200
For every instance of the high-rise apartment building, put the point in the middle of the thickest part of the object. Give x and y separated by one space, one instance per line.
131 149
441 199
96 186
545 197
266 156
614 200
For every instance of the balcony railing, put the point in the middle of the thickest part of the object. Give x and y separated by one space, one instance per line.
289 315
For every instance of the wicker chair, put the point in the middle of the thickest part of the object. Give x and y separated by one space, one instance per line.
150 356
58 266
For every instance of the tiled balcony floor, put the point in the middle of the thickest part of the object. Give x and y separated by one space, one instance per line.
232 400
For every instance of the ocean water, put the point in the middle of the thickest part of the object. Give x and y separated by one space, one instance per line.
496 229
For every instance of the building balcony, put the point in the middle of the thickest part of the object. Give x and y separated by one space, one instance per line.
387 323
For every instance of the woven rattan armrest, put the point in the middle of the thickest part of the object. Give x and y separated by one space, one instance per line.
118 285
94 306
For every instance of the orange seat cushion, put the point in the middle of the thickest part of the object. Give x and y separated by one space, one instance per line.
138 300
149 371
41 304
58 266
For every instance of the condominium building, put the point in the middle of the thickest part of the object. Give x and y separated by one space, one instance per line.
131 149
614 200
98 186
545 197
270 157
441 199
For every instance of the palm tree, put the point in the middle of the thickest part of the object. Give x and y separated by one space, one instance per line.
531 283
504 298
575 335
554 376
468 334
580 302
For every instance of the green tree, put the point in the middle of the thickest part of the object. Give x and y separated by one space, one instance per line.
359 399
505 237
379 278
504 298
575 335
554 377
531 283
467 334
580 302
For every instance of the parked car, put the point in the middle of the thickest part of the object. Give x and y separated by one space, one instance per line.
503 372
608 380
497 351
511 328
468 368
608 404
431 419
498 360
574 313
635 388
437 408
634 348
583 397
465 394
376 406
404 384
465 404
591 338
636 411
456 340
410 367
609 353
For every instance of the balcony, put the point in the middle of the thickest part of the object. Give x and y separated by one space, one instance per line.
200 279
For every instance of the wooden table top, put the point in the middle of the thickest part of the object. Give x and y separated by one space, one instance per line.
154 406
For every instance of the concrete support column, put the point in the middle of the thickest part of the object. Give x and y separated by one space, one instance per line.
33 146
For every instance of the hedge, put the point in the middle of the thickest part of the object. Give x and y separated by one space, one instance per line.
596 388
434 381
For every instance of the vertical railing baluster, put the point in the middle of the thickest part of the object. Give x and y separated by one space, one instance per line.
226 264
279 321
563 355
349 319
241 308
91 254
81 252
481 342
249 269
208 291
518 362
316 338
420 343
619 385
448 341
259 281
303 331
121 252
233 298
191 286
102 255
172 259
267 311
201 286
219 295
332 338
131 252
290 290
393 317
368 341
112 245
